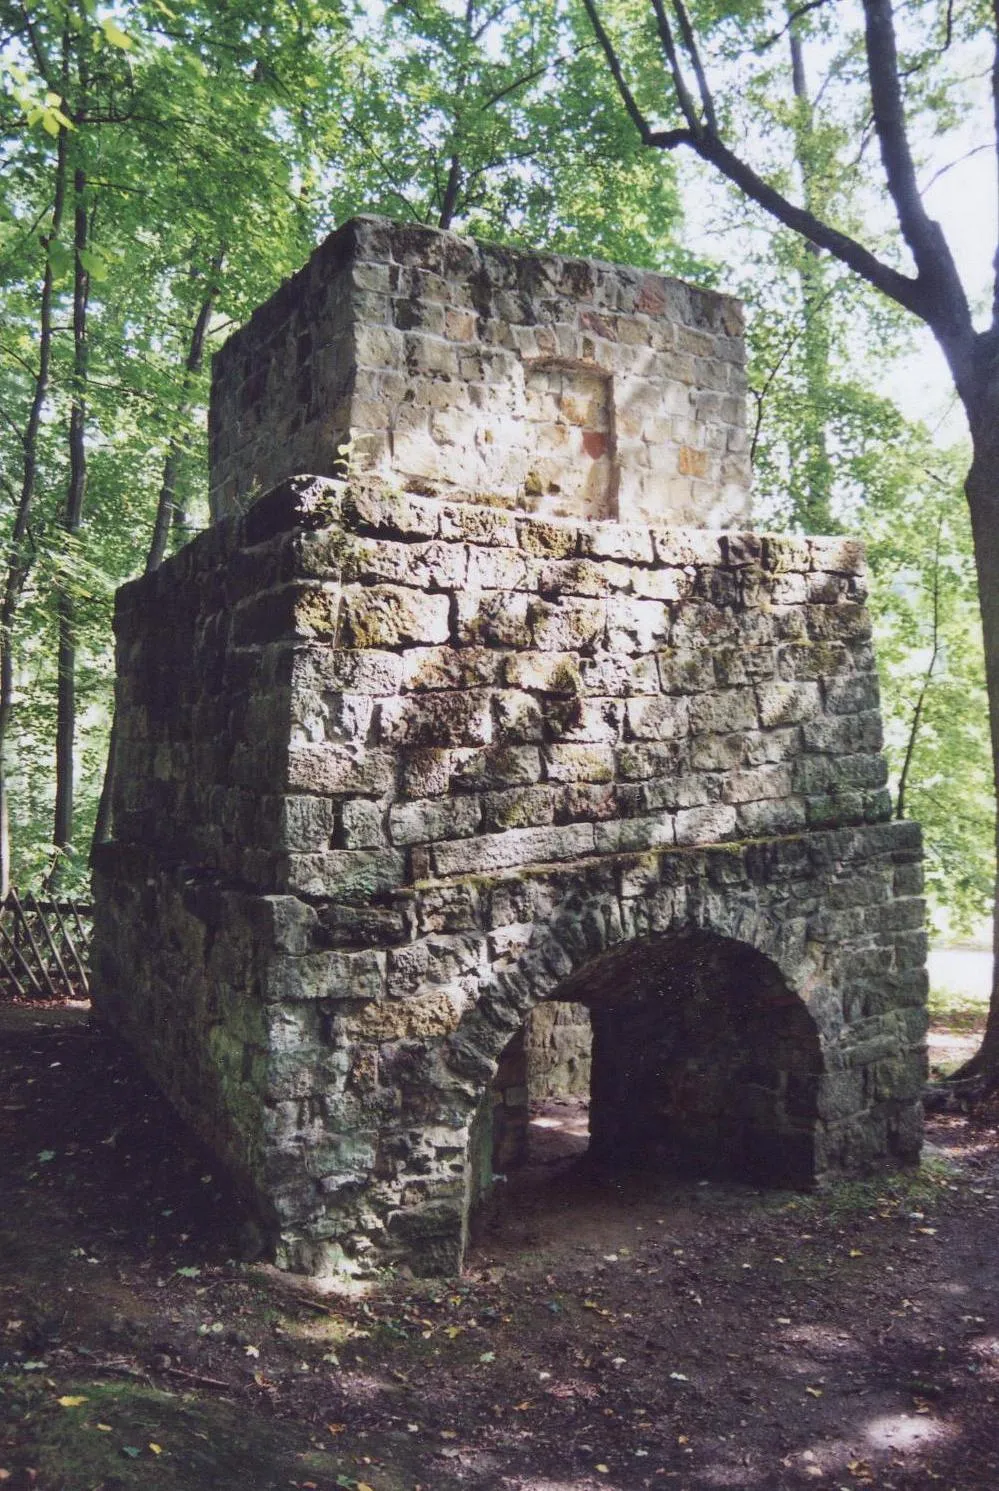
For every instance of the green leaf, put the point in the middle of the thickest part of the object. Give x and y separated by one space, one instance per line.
115 35
95 264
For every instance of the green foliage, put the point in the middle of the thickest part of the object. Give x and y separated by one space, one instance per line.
212 146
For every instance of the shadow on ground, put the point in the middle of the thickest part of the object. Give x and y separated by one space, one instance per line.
617 1334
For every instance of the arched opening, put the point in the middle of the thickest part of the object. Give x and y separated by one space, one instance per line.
703 1062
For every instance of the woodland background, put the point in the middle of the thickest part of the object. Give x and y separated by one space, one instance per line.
165 166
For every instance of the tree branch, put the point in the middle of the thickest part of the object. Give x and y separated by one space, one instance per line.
936 296
614 63
683 94
945 306
793 15
899 287
689 41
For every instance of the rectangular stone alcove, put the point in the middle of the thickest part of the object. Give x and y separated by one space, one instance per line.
398 768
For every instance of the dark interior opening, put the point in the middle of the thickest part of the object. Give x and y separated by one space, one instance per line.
699 1060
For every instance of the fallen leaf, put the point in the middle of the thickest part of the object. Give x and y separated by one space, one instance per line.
814 1392
337 1428
157 1449
856 1253
252 1350
603 1469
72 1400
104 1428
131 1450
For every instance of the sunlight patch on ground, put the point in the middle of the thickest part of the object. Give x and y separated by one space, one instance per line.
737 1476
904 1431
587 1485
570 1118
823 1338
985 1349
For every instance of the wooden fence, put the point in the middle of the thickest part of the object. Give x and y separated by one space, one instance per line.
44 948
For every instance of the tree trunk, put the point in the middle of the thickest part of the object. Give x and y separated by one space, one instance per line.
19 562
815 512
982 490
168 514
62 832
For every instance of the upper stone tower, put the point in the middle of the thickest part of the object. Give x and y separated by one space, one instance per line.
564 387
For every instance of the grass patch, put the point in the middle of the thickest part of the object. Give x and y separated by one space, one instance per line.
917 1189
125 1435
955 1009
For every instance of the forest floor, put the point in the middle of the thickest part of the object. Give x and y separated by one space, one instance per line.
602 1338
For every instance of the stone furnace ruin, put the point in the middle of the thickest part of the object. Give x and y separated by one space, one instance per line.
503 730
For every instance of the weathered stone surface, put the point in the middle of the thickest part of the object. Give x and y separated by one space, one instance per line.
397 770
393 616
568 396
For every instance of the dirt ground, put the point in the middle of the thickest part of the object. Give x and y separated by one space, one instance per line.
602 1338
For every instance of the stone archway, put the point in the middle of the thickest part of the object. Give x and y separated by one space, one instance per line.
707 1055
704 1061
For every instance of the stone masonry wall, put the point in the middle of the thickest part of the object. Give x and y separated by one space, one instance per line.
393 769
563 386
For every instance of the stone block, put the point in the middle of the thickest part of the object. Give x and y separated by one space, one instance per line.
393 616
722 712
567 625
783 704
518 807
433 819
348 874
445 719
326 976
519 846
658 718
338 769
547 672
707 825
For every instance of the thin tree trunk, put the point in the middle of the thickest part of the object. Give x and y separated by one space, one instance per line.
168 513
451 190
62 834
816 513
19 559
917 713
982 489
